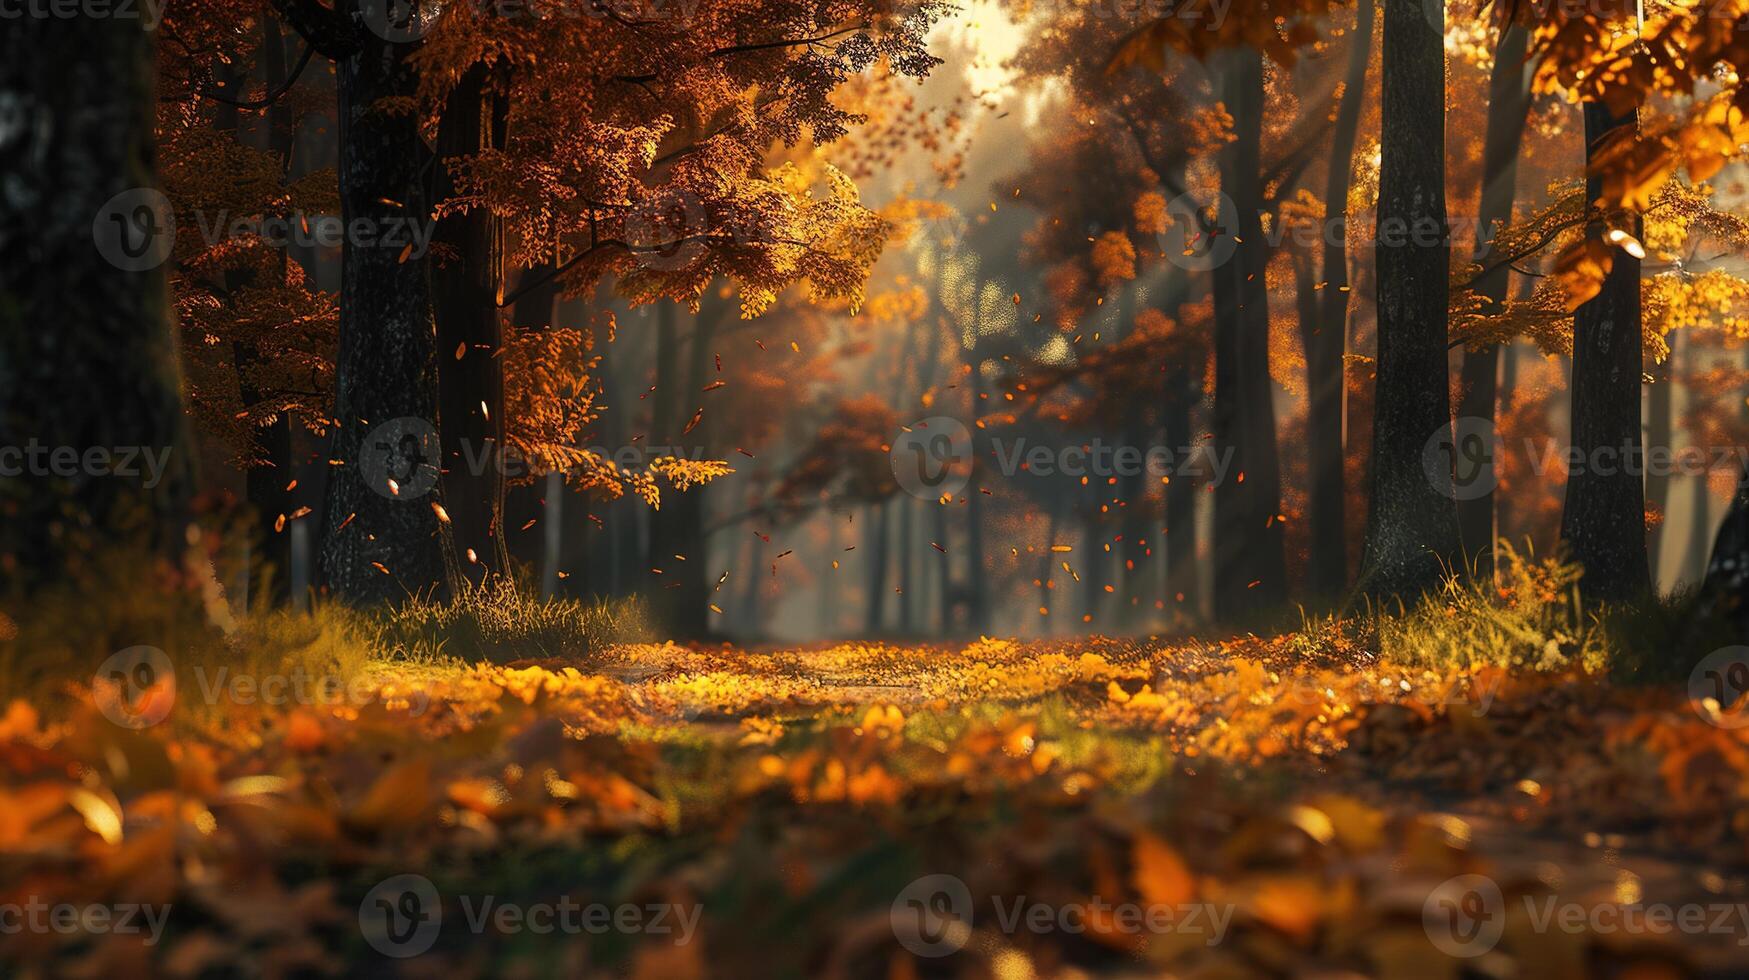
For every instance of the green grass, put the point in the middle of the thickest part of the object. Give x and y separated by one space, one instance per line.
502 622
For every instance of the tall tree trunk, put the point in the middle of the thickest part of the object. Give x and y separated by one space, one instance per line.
1325 339
381 533
677 539
1250 570
661 432
1725 587
88 358
1603 519
1508 102
1412 529
877 521
470 339
268 484
537 310
977 565
1660 425
1183 595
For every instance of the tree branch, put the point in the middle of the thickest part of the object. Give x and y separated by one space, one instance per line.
325 29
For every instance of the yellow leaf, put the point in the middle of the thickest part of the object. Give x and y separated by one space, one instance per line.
1161 876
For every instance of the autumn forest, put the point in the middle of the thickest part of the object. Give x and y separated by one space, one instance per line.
874 488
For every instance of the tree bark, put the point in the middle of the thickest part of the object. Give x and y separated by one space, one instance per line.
1508 102
677 539
470 341
267 485
1250 569
1326 339
87 340
1603 519
1412 529
381 532
1660 425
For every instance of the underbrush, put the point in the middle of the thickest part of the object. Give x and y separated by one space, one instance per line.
502 622
56 643
1529 616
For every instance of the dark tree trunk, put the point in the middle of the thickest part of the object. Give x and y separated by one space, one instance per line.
470 339
536 310
877 522
87 341
1184 390
1508 101
1603 519
1411 531
1725 588
977 567
677 538
1660 423
381 533
1250 570
1325 339
1700 527
268 484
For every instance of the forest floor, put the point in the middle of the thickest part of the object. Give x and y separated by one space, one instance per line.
1088 807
